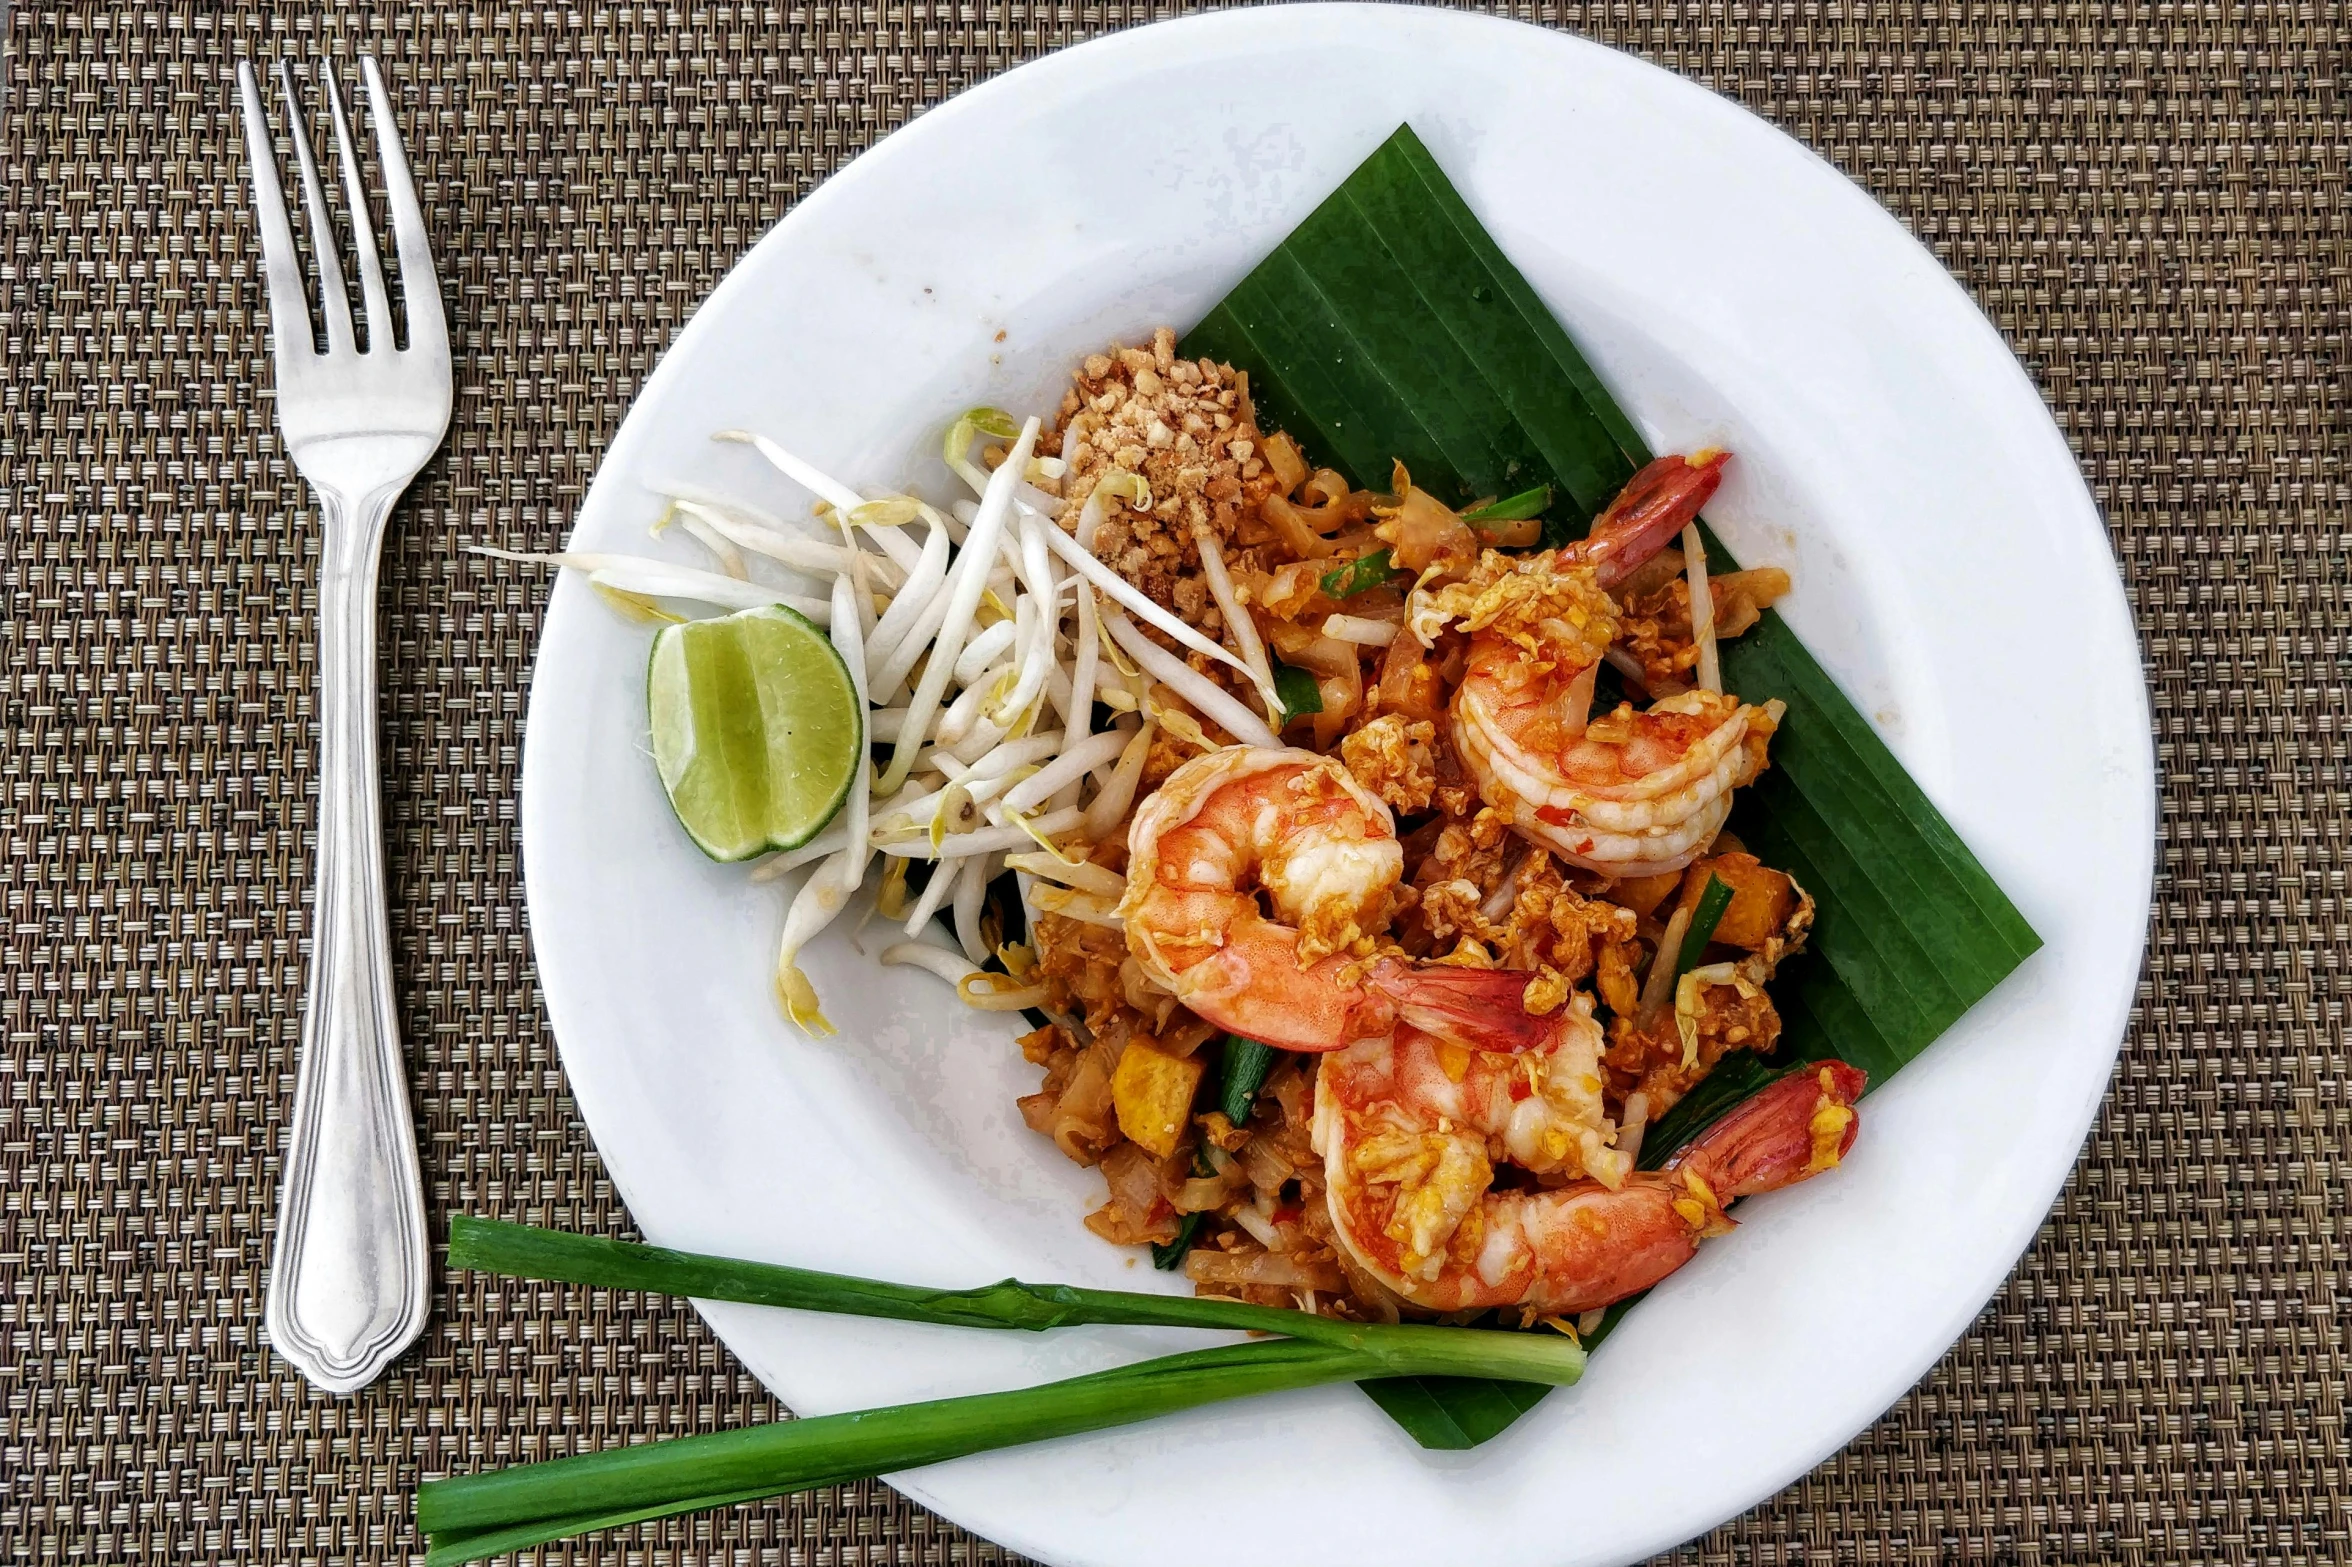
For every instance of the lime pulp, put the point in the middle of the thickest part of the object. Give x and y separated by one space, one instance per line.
757 729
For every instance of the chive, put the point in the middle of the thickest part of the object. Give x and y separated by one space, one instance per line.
1169 1257
1360 575
1714 898
525 1252
1296 690
1513 508
1246 1064
469 1517
474 1516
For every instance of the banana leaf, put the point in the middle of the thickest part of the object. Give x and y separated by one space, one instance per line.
1390 327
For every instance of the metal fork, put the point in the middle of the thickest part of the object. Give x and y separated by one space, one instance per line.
349 1277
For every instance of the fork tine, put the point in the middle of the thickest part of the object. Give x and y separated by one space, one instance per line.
420 289
281 267
363 228
336 305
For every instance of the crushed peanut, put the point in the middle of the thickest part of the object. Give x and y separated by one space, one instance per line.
1187 427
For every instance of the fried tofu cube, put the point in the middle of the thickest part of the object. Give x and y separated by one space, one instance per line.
1761 901
1643 894
1152 1090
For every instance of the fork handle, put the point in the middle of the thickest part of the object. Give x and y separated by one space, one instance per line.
352 1267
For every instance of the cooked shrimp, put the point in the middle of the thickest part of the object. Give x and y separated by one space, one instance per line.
1632 793
1409 1182
1299 972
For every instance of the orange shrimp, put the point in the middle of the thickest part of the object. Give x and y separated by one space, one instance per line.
1628 794
1409 1176
1259 880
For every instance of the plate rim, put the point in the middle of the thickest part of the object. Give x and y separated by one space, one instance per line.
909 140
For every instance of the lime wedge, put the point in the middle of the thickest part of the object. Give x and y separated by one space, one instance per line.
756 730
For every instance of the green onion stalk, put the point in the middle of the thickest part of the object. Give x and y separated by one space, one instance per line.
1246 1064
1714 898
1513 508
470 1517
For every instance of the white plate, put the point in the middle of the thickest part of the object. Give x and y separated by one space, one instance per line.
1951 572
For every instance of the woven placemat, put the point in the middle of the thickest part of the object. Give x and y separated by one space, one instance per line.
2149 200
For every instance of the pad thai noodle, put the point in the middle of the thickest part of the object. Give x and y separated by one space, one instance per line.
1360 861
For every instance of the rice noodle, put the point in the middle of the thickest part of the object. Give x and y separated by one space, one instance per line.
1072 904
1206 699
1268 1268
1261 1228
1702 609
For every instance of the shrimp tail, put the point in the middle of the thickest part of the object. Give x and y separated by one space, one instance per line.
1650 511
1482 1009
1798 1127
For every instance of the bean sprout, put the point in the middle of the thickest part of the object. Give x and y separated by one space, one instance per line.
1072 765
965 586
1702 609
1206 699
1238 623
1117 797
646 577
1003 624
786 549
828 887
722 549
1360 631
1139 602
831 491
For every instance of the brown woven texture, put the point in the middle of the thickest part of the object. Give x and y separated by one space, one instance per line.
2149 200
